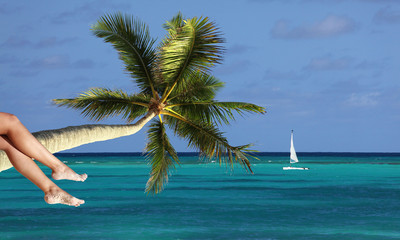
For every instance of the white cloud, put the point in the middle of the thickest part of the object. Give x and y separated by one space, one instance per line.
330 26
363 99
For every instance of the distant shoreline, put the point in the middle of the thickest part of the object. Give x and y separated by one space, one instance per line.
182 154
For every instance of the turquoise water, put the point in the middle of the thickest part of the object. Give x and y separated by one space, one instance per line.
342 196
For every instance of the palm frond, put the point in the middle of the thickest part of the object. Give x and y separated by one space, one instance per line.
214 112
100 103
196 47
208 140
201 87
174 25
161 155
131 38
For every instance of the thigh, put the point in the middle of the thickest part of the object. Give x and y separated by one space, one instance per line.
6 121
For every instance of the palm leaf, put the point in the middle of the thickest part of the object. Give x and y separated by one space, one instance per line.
100 103
161 154
215 112
174 25
196 47
131 38
208 140
201 87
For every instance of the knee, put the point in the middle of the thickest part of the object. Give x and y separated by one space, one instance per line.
8 122
12 119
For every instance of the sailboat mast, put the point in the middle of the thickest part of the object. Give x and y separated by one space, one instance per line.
293 155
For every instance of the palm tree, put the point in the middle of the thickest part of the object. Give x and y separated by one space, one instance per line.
177 92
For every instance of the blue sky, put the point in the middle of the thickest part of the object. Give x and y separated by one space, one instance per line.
329 69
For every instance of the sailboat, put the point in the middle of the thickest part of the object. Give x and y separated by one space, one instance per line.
293 157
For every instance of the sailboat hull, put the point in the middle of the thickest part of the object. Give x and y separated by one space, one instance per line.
295 168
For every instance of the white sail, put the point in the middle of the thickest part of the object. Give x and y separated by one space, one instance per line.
293 155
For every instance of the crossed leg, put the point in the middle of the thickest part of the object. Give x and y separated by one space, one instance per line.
27 167
26 143
20 147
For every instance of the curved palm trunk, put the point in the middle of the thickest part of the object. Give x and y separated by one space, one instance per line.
70 137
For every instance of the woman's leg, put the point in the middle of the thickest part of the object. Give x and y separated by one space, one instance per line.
27 167
26 143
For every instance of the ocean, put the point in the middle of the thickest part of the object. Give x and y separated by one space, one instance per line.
342 196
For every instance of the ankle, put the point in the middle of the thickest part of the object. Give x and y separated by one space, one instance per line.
61 167
52 190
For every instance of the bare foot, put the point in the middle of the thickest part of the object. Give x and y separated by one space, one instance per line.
58 195
67 173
